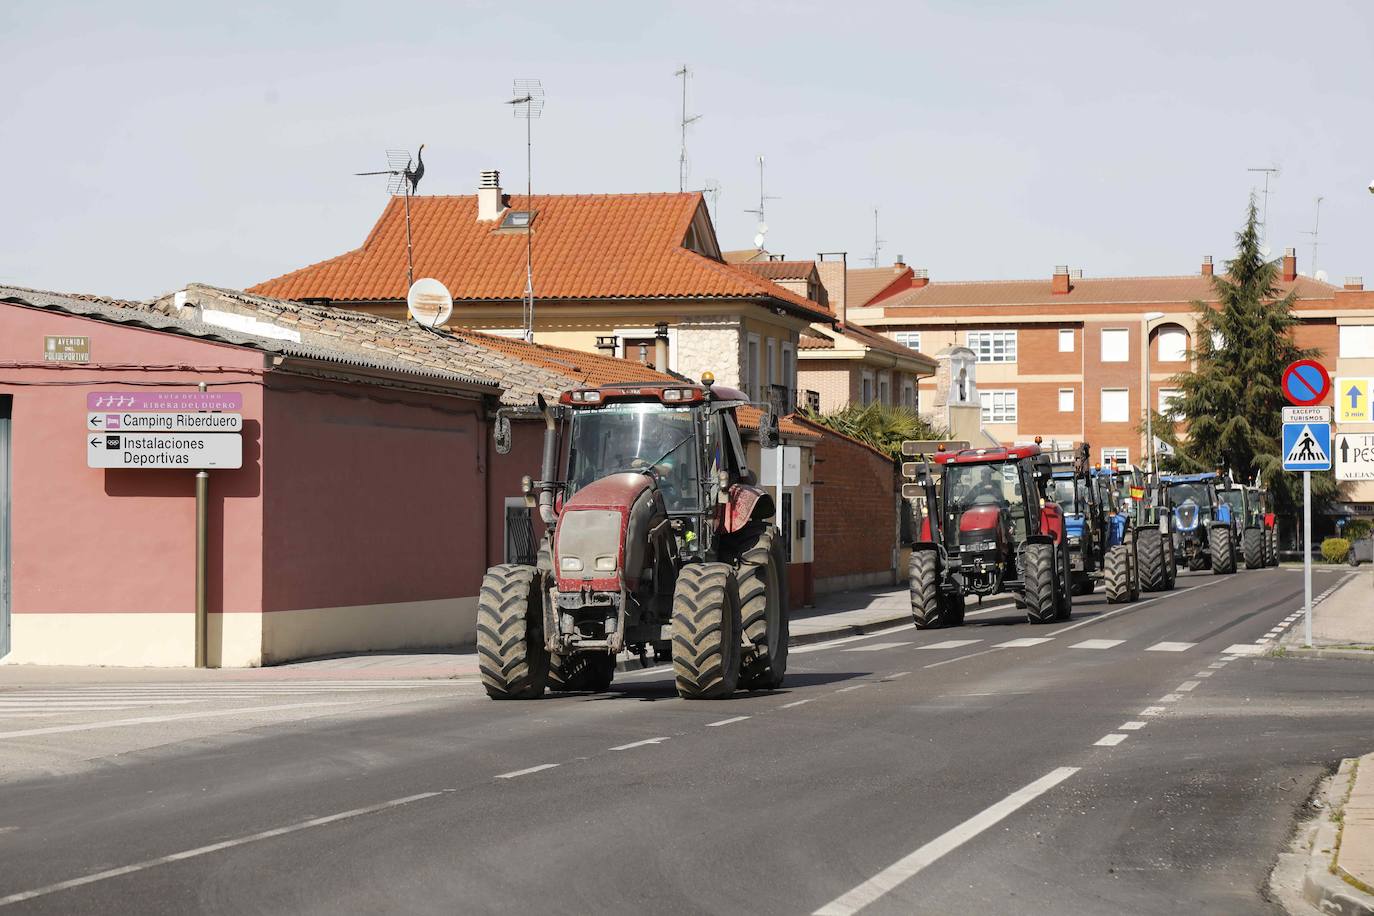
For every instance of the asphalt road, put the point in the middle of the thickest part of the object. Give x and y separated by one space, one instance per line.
1134 761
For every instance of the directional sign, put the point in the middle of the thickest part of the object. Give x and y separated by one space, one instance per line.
164 400
791 467
1307 446
165 421
164 450
1307 415
1305 382
1352 400
1354 453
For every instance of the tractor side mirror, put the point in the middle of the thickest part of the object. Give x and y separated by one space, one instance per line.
501 434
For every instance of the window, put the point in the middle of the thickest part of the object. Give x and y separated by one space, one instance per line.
993 346
910 339
517 219
909 395
771 367
1066 400
1173 345
1066 340
751 368
884 389
998 406
789 373
866 389
1166 405
1116 345
1357 341
1119 455
1116 405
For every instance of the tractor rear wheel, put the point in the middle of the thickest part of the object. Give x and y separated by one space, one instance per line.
1252 547
1154 570
1271 547
1038 576
1117 573
923 581
511 656
1063 596
761 573
706 631
1170 562
1223 550
591 671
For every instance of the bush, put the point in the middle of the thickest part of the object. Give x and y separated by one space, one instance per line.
1357 528
1335 550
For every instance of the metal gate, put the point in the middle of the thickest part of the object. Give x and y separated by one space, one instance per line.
6 411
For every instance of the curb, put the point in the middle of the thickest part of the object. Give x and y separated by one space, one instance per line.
1282 651
1324 890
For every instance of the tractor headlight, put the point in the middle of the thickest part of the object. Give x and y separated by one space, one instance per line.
603 564
1074 541
981 545
570 564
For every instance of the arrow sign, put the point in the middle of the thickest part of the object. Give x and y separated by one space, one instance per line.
1354 395
1345 451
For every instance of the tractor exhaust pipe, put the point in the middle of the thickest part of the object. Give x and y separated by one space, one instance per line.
546 470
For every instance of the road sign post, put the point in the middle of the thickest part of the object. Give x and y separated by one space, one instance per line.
1306 448
1307 558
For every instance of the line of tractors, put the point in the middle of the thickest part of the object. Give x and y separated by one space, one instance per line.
1045 526
658 540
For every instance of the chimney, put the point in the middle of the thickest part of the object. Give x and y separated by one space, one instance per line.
661 346
606 345
489 196
834 275
920 277
1060 282
1290 265
1076 274
900 262
1207 265
1355 283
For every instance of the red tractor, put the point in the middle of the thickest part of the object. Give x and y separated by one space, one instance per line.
987 527
657 539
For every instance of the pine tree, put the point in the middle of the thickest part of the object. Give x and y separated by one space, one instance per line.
1231 403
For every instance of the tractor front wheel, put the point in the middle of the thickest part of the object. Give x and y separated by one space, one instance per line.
1040 595
923 581
511 657
761 574
1252 547
1154 570
1117 572
1223 550
706 631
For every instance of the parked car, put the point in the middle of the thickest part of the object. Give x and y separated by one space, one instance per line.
1361 551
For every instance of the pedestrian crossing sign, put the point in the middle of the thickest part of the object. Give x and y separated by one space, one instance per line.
1307 446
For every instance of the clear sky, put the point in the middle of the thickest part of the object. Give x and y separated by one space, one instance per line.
146 145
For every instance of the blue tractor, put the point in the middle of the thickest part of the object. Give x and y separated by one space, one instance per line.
1100 538
1206 531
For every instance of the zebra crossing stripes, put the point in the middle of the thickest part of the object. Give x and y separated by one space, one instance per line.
1097 644
1171 647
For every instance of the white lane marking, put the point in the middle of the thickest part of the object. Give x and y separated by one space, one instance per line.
846 640
1171 647
797 703
1187 685
1132 726
851 687
878 646
77 705
1097 644
1216 666
1111 740
731 721
1204 674
959 658
526 771
656 669
893 677
146 720
1024 642
909 865
951 644
1261 641
1151 711
213 847
1131 607
1170 698
634 744
991 609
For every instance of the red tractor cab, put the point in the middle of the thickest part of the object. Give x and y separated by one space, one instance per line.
988 527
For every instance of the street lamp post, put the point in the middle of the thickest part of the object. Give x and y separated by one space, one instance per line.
1145 321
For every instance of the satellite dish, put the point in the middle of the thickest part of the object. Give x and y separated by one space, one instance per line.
1320 275
429 302
1266 252
762 228
758 240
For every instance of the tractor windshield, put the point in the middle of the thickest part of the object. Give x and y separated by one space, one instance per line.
1235 499
984 486
1069 495
637 437
1193 499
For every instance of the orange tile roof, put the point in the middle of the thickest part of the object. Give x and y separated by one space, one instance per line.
780 270
744 255
586 246
585 368
1082 292
863 284
751 417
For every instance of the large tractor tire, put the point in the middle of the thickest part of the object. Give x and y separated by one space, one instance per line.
1117 574
1271 547
585 671
706 631
1223 550
1040 596
511 656
1170 561
1154 568
1252 547
923 582
761 574
1063 595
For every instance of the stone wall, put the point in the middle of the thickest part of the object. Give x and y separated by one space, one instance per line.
711 344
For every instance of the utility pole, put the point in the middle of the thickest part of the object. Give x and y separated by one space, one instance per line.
686 121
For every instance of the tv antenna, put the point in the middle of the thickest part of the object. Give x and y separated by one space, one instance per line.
763 199
877 242
528 103
1316 226
403 177
1264 219
686 121
712 191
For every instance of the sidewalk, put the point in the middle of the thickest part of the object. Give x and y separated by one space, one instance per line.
835 615
1330 865
1342 624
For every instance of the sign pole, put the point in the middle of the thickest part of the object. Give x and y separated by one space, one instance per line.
1307 556
202 553
777 510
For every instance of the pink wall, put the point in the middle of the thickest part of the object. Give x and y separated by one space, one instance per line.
526 455
370 500
88 540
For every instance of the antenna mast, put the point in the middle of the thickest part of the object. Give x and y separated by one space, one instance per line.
763 198
1316 226
686 120
528 103
877 242
1264 219
403 177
